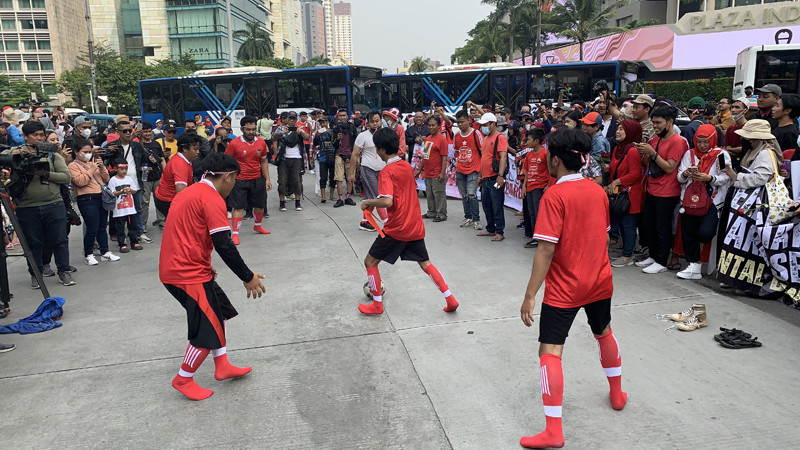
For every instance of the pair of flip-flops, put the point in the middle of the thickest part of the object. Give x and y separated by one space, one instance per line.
736 339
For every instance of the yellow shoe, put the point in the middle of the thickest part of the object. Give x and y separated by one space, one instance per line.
696 321
688 313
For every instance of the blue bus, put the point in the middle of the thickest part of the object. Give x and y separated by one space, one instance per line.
504 84
244 91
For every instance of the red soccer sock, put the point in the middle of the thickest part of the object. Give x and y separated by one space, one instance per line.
257 224
225 370
611 360
236 224
438 280
552 381
375 288
235 238
184 382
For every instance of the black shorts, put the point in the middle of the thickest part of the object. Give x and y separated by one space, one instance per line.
161 206
389 249
554 323
207 307
248 194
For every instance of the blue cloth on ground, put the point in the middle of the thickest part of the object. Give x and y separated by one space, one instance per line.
43 319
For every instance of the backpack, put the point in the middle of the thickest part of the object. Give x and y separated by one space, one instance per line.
696 199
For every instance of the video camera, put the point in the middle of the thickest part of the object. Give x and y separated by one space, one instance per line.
25 165
601 86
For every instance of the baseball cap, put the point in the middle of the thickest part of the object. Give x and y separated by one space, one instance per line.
486 118
771 89
169 129
159 121
79 120
643 99
697 103
506 110
592 118
292 115
526 115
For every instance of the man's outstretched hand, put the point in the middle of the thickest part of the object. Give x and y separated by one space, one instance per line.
254 287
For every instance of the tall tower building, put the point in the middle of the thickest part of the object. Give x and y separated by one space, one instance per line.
314 28
327 6
343 31
290 41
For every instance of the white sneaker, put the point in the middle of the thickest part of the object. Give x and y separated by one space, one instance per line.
91 260
466 223
145 239
477 225
693 272
646 263
654 268
108 256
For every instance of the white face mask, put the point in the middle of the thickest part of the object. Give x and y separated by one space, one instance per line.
87 156
736 117
527 126
322 129
85 133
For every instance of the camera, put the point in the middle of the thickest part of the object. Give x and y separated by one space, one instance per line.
24 166
600 86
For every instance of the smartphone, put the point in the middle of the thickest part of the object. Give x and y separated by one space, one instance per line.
721 159
292 128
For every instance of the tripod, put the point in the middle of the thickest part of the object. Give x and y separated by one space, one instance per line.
5 294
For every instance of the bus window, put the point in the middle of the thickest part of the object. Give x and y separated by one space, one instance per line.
259 97
151 98
480 90
390 96
542 87
226 91
366 95
191 101
778 67
500 89
417 95
442 89
337 91
577 82
517 98
288 91
312 92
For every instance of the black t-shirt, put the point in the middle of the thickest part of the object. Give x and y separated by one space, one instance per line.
757 115
152 151
787 135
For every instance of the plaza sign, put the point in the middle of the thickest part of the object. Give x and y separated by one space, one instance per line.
739 18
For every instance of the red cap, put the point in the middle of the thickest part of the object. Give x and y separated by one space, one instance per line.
592 118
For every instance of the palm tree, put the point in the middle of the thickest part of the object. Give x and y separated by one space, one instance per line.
578 20
257 42
418 64
509 8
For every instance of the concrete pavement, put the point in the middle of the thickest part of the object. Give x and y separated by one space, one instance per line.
327 377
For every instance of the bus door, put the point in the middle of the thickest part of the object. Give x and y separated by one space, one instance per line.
500 83
260 96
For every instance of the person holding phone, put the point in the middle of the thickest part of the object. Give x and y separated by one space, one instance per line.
625 170
702 165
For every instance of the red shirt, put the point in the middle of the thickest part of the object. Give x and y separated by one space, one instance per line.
305 127
186 246
468 152
731 138
573 214
396 181
487 153
535 166
177 171
249 156
671 148
434 148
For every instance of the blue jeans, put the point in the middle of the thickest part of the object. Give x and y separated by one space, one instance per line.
96 220
627 225
45 225
467 186
137 221
493 200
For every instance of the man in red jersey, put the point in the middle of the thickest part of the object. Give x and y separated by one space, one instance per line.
199 223
572 259
177 174
404 230
467 144
252 184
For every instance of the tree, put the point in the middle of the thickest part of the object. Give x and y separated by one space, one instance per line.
275 63
18 92
486 43
418 64
257 42
578 20
74 82
634 24
510 8
318 60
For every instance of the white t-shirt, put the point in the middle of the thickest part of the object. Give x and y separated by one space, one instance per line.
606 126
128 152
293 152
369 156
125 205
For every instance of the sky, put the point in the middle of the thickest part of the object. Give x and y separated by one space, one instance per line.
388 32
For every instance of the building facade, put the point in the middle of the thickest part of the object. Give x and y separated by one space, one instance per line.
39 39
343 32
327 6
289 38
314 28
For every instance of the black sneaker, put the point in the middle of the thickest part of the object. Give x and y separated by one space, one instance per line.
7 347
247 216
34 282
66 279
47 271
440 219
366 226
323 200
532 244
283 206
521 225
349 201
338 203
297 206
73 269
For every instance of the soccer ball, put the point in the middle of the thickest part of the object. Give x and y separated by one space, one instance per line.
369 294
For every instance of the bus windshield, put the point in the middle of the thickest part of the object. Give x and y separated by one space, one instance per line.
765 64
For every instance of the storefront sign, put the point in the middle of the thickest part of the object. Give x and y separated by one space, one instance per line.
744 17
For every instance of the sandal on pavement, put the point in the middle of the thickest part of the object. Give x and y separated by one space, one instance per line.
485 233
498 238
674 266
729 334
740 342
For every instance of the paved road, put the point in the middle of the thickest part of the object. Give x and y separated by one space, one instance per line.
327 377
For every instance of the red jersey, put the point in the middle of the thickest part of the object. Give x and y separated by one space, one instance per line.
178 171
468 152
401 134
487 153
306 127
396 181
573 214
671 148
434 148
535 166
185 256
249 156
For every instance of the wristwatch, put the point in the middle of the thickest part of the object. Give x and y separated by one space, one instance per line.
654 157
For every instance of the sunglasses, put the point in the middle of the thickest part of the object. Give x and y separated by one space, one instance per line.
126 131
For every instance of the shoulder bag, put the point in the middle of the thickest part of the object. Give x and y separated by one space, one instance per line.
496 160
778 197
109 199
696 200
619 203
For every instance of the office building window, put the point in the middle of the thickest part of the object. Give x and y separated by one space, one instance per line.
26 24
6 4
14 66
9 25
43 45
624 21
47 65
28 4
12 45
29 45
33 66
723 4
40 24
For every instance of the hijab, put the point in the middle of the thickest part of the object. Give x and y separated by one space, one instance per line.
633 134
707 159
